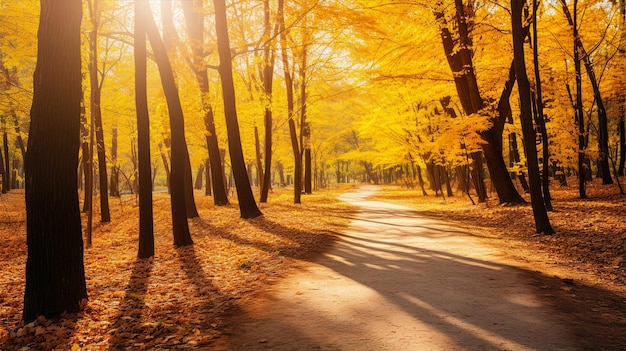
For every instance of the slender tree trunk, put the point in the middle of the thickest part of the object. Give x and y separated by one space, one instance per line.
199 176
170 39
268 75
18 133
6 179
146 225
297 155
86 160
55 275
166 165
3 172
542 223
207 176
622 141
259 165
247 204
180 157
96 85
115 171
194 19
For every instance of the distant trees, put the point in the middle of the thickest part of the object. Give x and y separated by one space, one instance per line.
55 277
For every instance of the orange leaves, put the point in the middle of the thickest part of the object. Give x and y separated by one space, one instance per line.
177 298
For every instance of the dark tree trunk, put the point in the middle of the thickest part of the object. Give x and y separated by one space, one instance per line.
180 157
247 205
96 112
6 179
166 165
114 189
85 150
297 154
542 223
268 75
259 165
207 176
146 225
540 118
3 173
622 141
55 275
20 141
420 179
198 183
194 19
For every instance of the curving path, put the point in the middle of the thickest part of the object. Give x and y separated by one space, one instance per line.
394 281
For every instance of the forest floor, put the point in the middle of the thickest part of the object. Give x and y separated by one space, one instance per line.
183 297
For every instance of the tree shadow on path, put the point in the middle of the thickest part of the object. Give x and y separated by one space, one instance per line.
405 283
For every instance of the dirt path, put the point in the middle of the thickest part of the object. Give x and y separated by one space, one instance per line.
393 281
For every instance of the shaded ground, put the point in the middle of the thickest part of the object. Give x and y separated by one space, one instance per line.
396 281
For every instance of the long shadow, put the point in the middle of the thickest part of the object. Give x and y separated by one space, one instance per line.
127 330
427 278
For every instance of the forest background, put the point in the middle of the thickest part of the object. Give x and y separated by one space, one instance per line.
493 99
371 88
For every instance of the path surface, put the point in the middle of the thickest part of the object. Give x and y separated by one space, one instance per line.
393 281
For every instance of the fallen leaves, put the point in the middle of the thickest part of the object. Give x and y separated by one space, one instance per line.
176 299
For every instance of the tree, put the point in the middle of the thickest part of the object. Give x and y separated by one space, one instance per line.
542 223
460 62
247 205
170 38
297 153
96 111
146 225
180 156
582 54
194 20
268 75
539 114
55 275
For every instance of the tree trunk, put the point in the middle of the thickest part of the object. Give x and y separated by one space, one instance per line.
198 183
297 155
540 119
3 173
55 275
207 176
6 179
87 170
542 223
247 205
96 112
146 225
622 141
114 188
259 165
268 75
420 179
194 19
181 167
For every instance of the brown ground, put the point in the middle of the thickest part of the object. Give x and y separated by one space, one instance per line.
179 298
